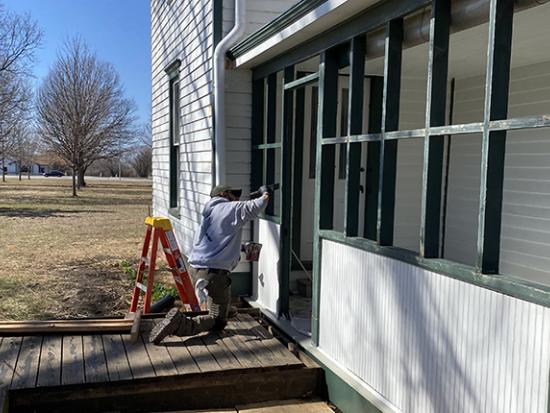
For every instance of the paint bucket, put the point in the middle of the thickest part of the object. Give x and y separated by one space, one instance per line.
251 251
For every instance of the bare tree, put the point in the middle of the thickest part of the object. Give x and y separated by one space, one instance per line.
82 112
19 37
142 161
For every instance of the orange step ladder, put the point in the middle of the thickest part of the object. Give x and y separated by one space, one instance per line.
160 229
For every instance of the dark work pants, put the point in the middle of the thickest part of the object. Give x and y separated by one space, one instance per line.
219 298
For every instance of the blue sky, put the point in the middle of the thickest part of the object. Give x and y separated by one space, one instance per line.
118 31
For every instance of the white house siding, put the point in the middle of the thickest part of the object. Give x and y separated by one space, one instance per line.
182 29
429 343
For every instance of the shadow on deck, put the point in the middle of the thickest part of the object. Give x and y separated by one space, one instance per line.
107 372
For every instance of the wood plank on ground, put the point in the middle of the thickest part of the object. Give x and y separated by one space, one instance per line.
49 370
72 371
138 358
224 357
184 362
64 326
117 362
9 350
200 353
288 406
95 365
160 358
282 355
26 369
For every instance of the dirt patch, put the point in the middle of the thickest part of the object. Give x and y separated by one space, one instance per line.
61 256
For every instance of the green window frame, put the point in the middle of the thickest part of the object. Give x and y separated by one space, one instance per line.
174 137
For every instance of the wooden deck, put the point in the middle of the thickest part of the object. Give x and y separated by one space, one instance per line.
76 368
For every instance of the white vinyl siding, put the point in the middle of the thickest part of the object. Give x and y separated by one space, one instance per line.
182 29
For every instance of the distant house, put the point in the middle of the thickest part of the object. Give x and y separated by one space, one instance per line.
411 141
12 167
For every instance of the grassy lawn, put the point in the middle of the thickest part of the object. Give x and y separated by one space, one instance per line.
62 256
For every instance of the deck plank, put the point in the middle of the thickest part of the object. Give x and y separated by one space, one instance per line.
138 358
117 362
9 350
237 347
282 356
95 365
180 355
49 371
245 338
225 358
26 369
160 358
200 353
72 371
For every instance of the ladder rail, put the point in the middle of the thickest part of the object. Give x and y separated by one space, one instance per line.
160 229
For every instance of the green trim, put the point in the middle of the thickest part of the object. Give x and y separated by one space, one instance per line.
241 284
287 204
432 168
341 394
354 126
390 122
493 149
501 283
284 20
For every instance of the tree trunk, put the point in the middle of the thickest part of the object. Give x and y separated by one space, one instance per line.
81 181
29 172
3 169
74 181
19 166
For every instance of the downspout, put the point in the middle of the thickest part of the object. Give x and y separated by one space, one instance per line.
219 89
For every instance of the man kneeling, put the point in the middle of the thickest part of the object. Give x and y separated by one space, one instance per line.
216 251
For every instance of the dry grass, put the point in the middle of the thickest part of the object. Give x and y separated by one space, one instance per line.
61 256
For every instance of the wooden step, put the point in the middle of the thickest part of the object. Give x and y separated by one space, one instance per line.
219 389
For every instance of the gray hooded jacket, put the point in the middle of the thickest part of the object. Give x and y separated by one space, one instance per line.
218 241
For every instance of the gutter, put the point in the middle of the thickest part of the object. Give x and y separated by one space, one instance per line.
219 60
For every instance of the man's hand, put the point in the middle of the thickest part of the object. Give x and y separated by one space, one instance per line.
266 190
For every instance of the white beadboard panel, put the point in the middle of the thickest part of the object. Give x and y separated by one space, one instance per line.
265 280
429 343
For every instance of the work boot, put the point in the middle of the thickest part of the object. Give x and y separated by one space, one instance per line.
167 326
232 312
